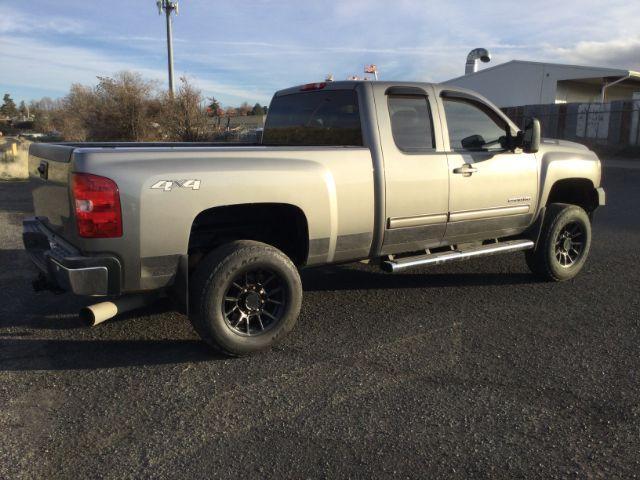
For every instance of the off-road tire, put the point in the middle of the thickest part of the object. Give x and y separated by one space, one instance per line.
543 260
211 280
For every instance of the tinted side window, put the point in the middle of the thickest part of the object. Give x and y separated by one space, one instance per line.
473 126
327 117
411 123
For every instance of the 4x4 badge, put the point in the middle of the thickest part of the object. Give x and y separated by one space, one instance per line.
167 185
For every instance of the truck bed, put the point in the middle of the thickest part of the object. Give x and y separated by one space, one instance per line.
61 152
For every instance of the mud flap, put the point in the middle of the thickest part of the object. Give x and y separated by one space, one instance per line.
533 232
179 291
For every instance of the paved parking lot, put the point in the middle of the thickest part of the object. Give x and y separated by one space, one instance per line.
470 370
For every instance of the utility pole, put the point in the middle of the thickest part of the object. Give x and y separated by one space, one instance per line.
169 6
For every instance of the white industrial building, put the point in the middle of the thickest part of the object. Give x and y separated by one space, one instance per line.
520 82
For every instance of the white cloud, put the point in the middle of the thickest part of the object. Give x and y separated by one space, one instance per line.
246 50
37 64
619 52
14 22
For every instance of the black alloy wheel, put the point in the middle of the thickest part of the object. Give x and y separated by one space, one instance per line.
254 302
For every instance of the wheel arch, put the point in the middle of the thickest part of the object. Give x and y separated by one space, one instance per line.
282 225
575 191
578 191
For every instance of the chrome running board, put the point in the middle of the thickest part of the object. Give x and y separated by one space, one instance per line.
399 264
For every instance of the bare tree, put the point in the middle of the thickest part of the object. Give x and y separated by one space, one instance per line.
45 112
244 109
184 116
122 107
127 107
75 120
117 109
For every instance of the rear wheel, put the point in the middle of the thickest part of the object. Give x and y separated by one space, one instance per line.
245 296
563 245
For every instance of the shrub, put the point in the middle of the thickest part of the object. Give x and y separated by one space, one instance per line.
183 116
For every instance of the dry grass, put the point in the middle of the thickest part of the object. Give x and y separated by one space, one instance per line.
14 166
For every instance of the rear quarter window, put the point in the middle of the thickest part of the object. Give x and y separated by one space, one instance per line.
411 123
319 118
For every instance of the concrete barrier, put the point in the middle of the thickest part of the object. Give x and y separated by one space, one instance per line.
14 158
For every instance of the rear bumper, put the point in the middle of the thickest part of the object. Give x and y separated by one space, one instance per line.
63 266
602 197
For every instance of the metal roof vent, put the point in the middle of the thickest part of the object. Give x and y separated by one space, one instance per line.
476 54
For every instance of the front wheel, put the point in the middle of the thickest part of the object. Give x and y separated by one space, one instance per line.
563 245
244 297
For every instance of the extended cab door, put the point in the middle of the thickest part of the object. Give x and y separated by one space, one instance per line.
416 169
492 190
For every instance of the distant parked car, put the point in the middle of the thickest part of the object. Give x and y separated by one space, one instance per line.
32 135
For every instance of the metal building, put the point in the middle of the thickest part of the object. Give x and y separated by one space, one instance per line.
521 82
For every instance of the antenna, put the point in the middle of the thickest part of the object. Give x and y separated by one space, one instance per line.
169 6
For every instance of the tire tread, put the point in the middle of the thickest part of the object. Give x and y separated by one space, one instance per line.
538 260
213 266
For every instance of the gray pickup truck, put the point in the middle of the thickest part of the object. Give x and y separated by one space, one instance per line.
400 174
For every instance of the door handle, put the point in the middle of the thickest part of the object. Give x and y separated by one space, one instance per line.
43 169
466 170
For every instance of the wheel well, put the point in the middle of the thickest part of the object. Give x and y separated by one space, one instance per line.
576 191
283 226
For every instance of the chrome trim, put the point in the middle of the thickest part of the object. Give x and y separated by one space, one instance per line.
84 269
489 213
444 257
417 221
77 278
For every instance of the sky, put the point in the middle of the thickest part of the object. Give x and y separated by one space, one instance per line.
244 50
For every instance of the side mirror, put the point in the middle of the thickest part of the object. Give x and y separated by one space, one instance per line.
531 136
473 142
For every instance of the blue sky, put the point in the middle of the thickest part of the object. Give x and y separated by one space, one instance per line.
245 50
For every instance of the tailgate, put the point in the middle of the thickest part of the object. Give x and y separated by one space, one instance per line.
49 167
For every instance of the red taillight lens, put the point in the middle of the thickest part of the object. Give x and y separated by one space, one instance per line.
313 86
97 205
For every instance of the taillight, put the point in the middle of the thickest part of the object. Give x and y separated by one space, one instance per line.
313 86
97 205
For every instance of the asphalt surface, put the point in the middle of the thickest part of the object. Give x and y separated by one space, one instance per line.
471 370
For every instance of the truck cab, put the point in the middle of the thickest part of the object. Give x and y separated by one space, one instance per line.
449 175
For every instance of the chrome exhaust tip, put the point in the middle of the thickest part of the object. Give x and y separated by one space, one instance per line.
93 315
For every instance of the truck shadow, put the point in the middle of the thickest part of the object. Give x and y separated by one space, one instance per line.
30 322
349 277
26 354
15 196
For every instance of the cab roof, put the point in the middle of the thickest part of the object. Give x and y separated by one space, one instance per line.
353 84
345 85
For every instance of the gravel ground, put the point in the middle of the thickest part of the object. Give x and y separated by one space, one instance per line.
471 370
